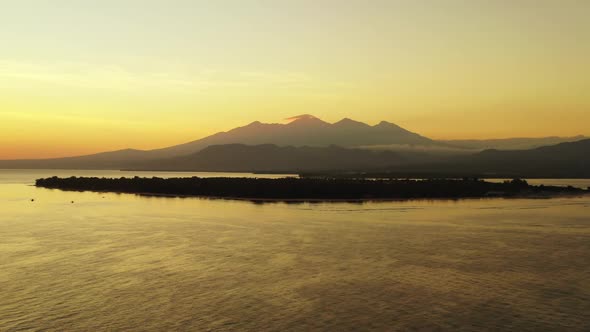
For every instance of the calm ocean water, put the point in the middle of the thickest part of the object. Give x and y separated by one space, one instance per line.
121 262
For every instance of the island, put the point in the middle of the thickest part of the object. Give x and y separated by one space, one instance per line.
309 189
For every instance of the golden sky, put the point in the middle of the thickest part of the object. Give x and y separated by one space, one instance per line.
86 76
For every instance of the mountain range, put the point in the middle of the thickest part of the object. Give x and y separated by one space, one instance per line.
570 159
563 160
307 143
303 130
517 143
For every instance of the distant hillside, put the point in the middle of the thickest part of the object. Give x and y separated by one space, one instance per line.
564 160
520 143
303 130
268 157
105 160
309 144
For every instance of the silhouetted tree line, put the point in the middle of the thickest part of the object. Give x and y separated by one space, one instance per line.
304 188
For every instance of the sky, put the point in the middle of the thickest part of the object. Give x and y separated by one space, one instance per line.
83 76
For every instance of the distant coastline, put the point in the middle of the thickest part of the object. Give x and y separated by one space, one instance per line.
310 190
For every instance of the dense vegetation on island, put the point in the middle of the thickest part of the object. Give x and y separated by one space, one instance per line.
306 188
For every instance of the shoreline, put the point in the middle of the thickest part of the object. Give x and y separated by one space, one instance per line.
330 200
343 200
307 190
312 175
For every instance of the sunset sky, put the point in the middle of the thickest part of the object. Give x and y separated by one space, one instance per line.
86 76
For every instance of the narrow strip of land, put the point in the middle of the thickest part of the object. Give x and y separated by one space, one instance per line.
309 188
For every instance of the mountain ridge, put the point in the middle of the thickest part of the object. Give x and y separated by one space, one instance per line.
300 131
511 143
563 160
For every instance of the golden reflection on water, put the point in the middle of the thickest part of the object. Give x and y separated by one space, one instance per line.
125 262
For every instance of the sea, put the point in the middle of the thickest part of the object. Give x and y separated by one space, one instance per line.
87 261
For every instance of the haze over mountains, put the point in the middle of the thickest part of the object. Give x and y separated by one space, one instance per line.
571 159
517 143
273 158
307 143
563 160
303 130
